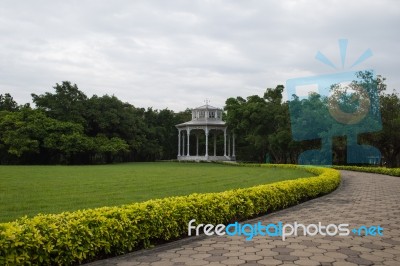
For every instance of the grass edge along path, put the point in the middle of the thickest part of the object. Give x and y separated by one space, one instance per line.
368 169
82 236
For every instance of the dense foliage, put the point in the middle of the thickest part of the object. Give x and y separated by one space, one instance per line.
263 126
74 237
68 127
376 170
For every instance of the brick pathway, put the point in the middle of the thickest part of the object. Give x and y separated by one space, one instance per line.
362 199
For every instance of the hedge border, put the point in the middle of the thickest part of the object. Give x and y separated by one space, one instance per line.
376 170
85 235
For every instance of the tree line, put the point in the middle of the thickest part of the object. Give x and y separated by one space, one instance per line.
68 127
264 127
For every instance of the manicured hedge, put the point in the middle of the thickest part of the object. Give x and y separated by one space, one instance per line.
80 236
377 170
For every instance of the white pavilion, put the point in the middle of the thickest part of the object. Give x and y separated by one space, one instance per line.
206 121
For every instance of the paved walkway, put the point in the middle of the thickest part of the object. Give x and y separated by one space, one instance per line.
362 199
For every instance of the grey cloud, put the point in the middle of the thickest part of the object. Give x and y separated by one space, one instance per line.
177 53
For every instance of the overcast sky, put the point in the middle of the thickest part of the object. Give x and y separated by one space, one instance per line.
175 54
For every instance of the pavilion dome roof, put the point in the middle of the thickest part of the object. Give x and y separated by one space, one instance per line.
202 122
205 115
206 107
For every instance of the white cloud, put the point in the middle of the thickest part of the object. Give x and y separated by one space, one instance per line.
177 53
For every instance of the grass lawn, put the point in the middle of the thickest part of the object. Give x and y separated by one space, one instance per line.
29 190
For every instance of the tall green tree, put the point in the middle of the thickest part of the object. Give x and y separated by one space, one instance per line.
108 116
388 139
28 132
67 103
262 126
7 103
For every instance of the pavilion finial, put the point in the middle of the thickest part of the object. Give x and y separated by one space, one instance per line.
207 101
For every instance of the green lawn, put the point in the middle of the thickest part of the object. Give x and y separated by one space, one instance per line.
29 190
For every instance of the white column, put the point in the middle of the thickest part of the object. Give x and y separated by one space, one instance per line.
206 132
233 146
197 144
179 142
183 144
188 142
225 142
229 145
215 143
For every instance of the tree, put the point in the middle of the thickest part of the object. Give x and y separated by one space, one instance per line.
344 122
7 103
280 143
109 149
66 104
29 132
262 124
388 139
108 116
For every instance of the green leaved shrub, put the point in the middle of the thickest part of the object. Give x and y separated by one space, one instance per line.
85 235
376 170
